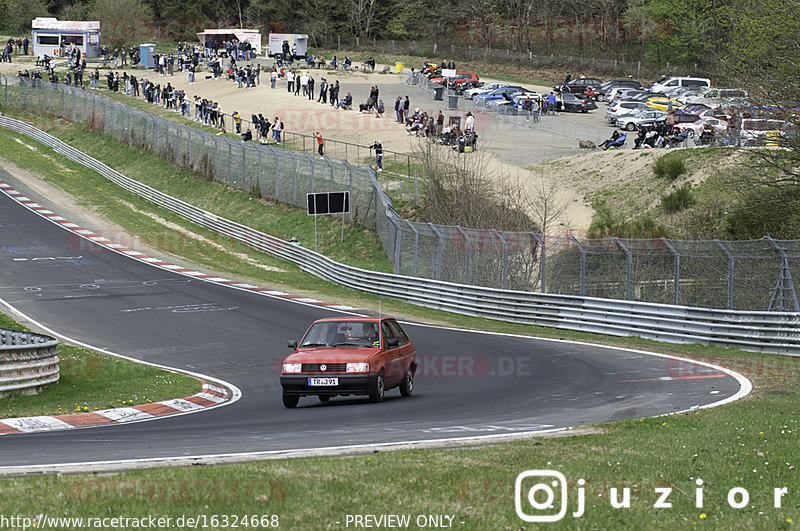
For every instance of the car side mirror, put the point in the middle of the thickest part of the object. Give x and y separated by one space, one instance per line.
393 342
292 343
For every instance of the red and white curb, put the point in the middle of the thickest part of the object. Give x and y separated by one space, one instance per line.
211 395
116 247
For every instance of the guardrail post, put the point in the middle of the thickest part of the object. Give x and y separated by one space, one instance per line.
628 267
437 263
468 253
730 272
677 273
504 279
582 249
784 283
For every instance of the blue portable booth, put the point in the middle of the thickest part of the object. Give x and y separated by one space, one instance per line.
146 53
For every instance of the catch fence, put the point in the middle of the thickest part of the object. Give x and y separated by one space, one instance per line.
745 275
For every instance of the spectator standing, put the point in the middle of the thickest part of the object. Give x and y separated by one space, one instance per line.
320 144
406 107
378 147
469 122
237 121
323 91
310 86
398 109
277 128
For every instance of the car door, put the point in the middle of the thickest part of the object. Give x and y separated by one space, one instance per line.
393 356
404 345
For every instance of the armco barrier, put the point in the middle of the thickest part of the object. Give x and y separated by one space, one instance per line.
28 362
777 332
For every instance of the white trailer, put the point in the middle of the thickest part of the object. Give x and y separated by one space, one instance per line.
293 39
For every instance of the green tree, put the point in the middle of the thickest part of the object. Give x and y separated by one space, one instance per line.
20 14
122 22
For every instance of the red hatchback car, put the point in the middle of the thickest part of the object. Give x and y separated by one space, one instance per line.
349 356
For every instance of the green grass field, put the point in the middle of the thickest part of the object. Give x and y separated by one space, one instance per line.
751 444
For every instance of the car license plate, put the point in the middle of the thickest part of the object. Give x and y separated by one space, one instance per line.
323 381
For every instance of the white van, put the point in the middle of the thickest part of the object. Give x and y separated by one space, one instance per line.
678 82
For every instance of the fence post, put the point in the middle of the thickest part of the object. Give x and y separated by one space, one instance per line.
398 241
730 272
628 266
468 253
677 273
504 278
437 259
542 253
230 162
582 249
416 244
784 283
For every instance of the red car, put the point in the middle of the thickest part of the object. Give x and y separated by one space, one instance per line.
464 80
349 356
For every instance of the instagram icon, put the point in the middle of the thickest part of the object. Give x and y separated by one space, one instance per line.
535 493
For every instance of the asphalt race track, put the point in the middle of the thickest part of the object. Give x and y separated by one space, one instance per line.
469 383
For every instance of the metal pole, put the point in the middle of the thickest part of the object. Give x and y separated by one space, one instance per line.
468 253
582 249
416 244
730 272
504 278
315 233
437 265
628 267
416 188
677 273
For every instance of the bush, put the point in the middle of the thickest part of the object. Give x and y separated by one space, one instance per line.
678 199
606 225
669 166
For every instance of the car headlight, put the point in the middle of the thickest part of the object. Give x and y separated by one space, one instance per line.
292 367
358 367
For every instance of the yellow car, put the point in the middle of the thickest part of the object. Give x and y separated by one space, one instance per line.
663 104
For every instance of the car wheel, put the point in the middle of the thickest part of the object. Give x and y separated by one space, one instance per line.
630 126
380 388
290 401
324 398
407 385
569 108
584 110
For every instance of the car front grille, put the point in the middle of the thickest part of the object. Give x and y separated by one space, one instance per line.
329 367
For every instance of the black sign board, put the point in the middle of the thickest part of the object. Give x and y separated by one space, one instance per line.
328 203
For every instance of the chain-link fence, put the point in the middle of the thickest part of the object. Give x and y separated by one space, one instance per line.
746 275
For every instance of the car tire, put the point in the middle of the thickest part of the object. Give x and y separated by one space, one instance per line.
376 395
324 398
584 110
290 401
407 385
630 126
569 108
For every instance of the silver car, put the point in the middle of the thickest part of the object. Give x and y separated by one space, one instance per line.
621 109
486 87
651 117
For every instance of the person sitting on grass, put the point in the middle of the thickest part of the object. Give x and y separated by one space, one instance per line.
608 142
346 103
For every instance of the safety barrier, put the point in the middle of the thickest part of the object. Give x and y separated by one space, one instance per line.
776 332
28 362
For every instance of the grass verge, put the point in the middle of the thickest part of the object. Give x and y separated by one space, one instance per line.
90 381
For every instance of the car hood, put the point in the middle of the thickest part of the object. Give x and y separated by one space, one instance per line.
331 355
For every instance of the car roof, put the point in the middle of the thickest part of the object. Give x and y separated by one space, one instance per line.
351 319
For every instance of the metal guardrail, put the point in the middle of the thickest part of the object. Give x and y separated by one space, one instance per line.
776 332
28 362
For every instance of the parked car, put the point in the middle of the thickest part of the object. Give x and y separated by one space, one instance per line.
484 88
714 98
578 86
574 103
686 120
461 80
603 93
515 104
497 94
662 103
756 131
719 126
651 117
620 109
675 82
344 356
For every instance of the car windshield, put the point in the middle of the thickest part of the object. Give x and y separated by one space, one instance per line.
341 334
